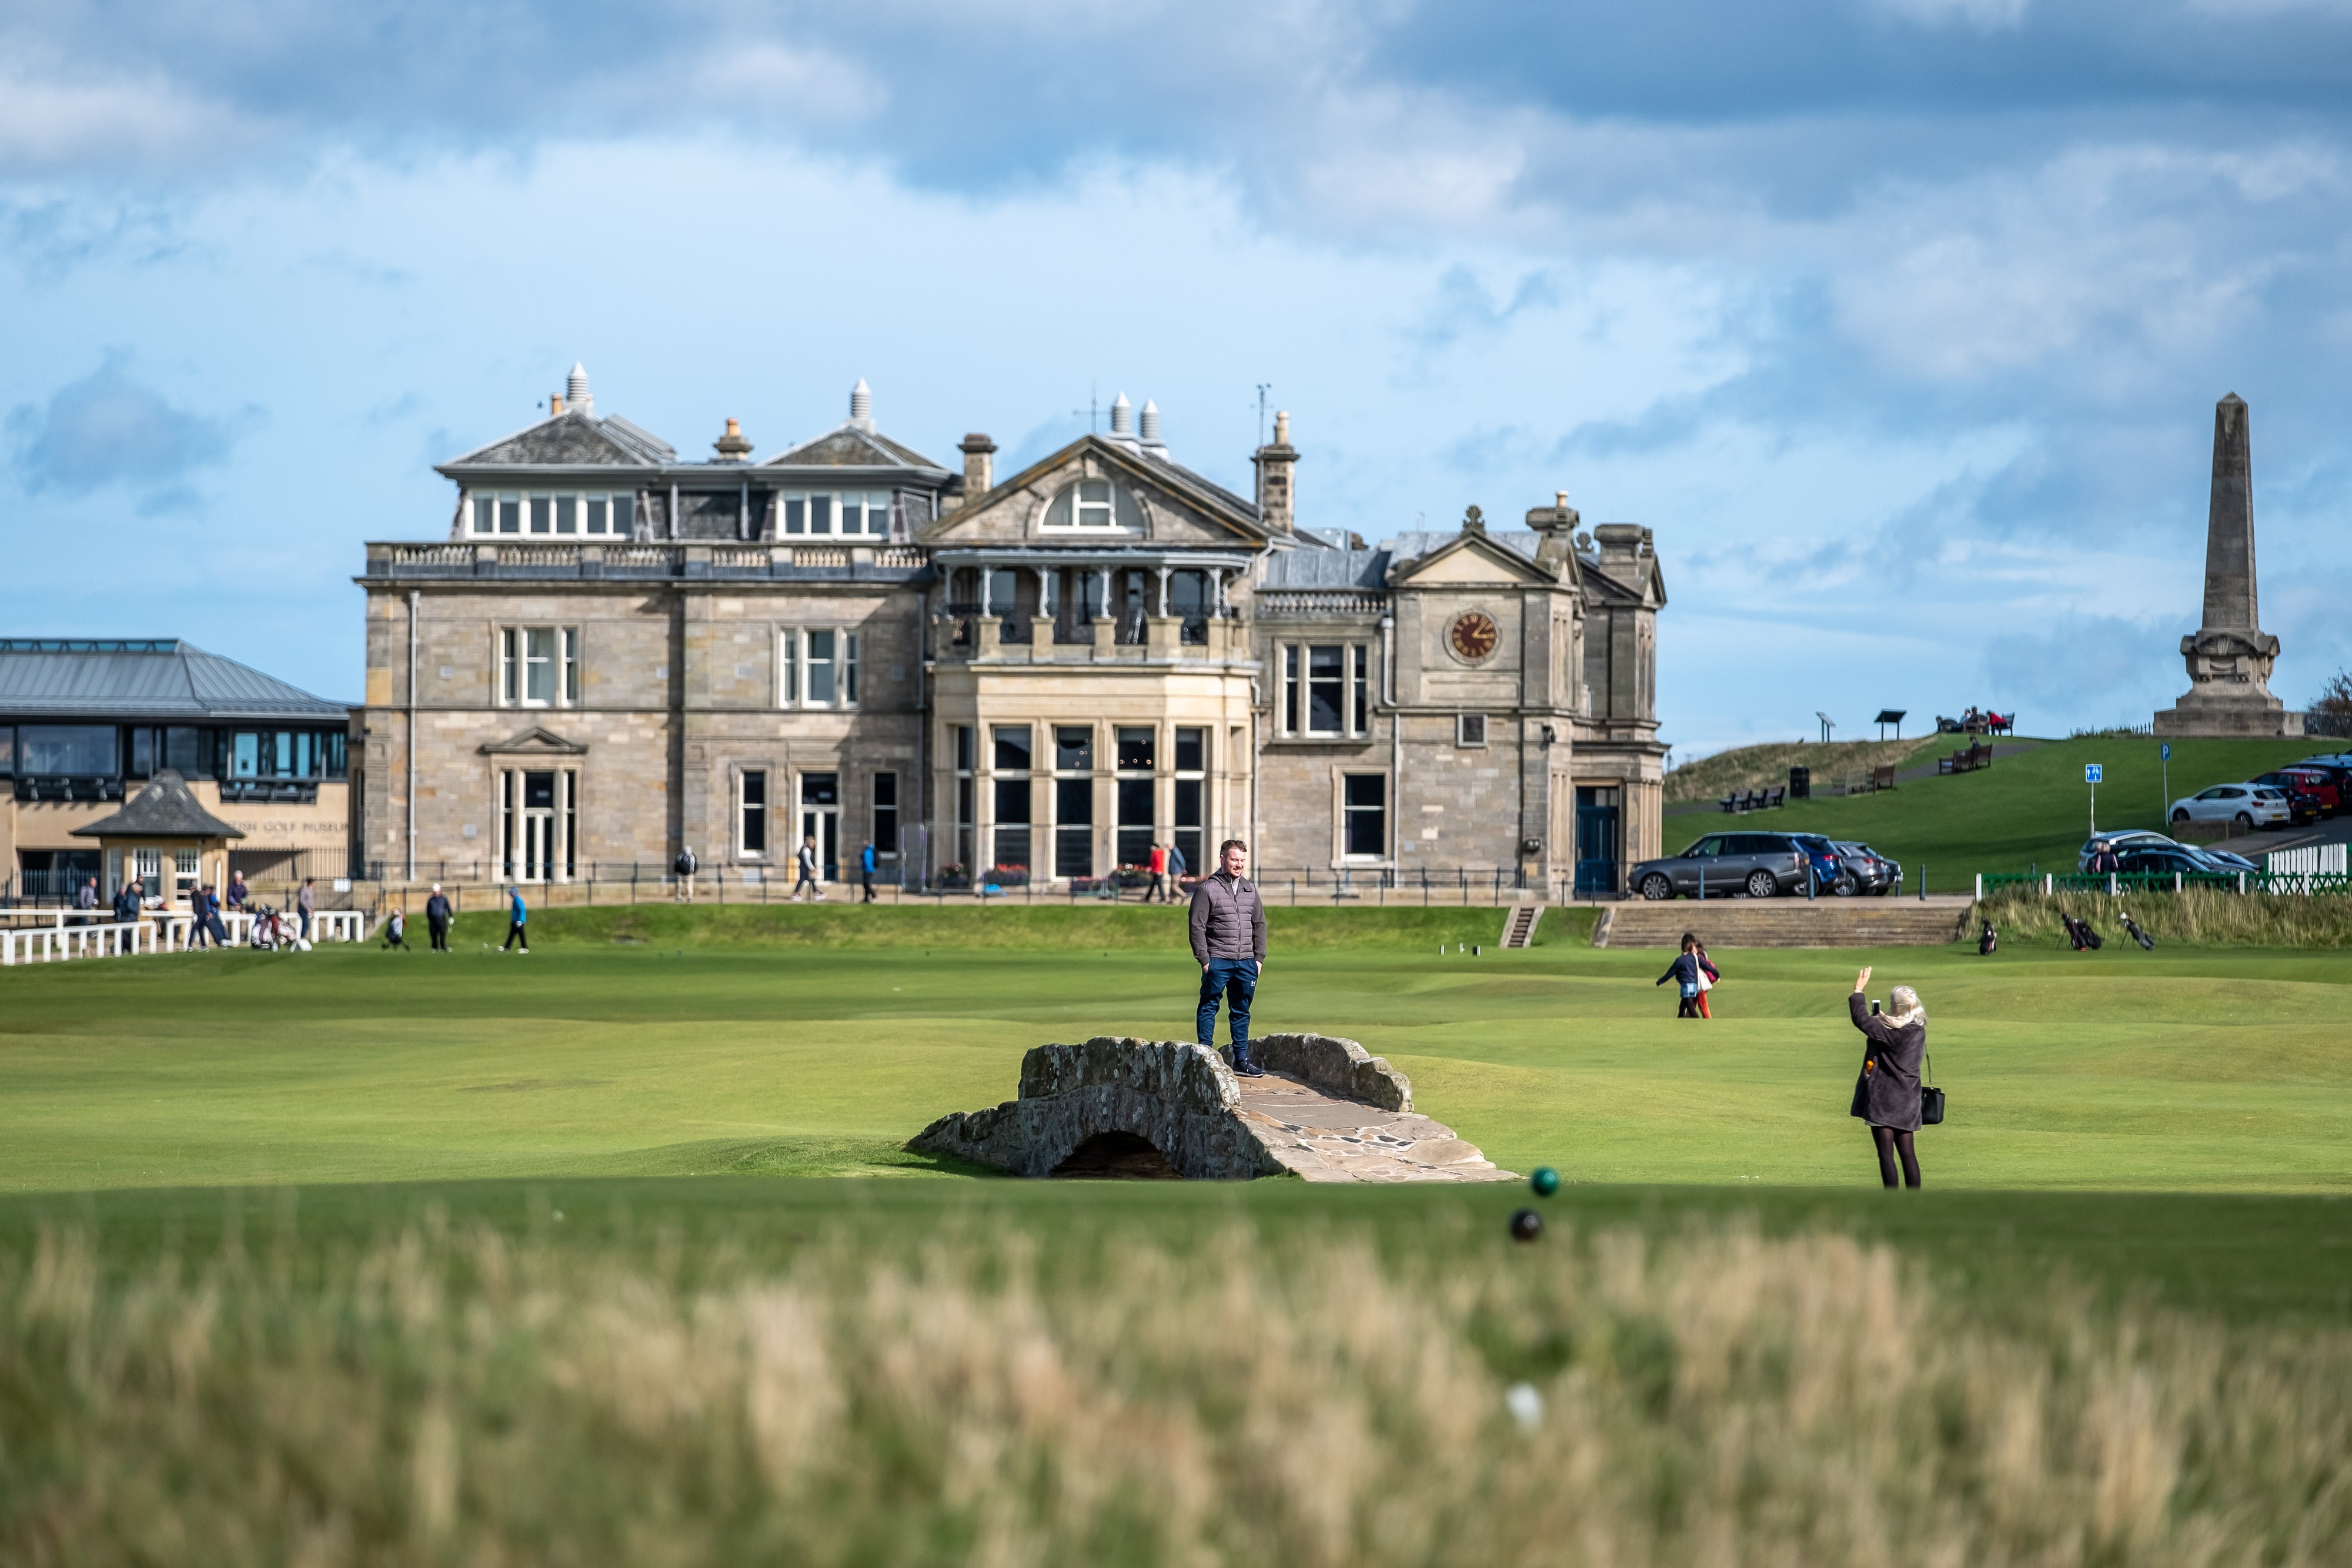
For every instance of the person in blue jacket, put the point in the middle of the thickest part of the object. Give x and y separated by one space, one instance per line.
865 864
1684 971
516 914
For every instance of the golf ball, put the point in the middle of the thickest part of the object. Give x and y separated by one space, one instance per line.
1526 1224
1546 1181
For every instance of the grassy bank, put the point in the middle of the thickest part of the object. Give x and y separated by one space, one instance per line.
2207 916
982 1391
1766 766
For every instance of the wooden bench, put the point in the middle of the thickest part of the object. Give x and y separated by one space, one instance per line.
1883 778
1978 755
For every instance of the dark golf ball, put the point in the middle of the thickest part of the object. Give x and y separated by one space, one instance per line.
1546 1181
1526 1224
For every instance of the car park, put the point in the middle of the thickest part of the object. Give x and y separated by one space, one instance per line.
1722 865
2331 780
1865 871
2245 806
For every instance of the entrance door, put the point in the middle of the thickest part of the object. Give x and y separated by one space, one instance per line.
1598 838
821 820
538 824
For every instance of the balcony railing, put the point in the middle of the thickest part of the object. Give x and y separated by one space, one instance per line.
856 562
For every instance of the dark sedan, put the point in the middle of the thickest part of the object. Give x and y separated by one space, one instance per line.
1722 865
1864 870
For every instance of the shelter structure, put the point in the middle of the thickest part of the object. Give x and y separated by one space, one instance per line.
2229 657
165 838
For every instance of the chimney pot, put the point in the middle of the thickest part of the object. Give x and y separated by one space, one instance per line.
732 447
861 405
576 395
555 405
1151 425
1122 419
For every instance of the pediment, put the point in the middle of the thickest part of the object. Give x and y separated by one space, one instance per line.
569 440
1151 502
847 446
536 741
1472 560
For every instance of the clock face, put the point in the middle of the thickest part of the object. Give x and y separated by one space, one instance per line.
1472 635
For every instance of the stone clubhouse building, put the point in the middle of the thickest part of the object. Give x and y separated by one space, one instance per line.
613 652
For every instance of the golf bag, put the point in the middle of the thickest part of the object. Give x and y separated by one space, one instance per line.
262 935
2146 942
2081 934
1988 940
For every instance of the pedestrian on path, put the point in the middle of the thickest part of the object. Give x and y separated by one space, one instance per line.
306 902
516 915
1685 972
684 865
86 895
1228 932
1707 975
1887 1095
866 870
806 860
436 919
1176 866
126 912
199 928
1159 866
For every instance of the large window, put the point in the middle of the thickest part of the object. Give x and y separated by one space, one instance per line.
817 667
963 741
886 815
751 813
1095 505
270 754
67 751
1011 757
1192 794
1074 801
539 666
598 512
1134 796
1364 806
865 512
1326 689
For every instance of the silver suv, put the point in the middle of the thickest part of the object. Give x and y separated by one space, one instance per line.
1725 864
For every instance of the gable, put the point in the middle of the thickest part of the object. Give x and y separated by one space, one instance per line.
1143 501
538 740
1472 560
571 440
847 446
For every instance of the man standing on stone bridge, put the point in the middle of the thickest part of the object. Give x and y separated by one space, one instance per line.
1229 941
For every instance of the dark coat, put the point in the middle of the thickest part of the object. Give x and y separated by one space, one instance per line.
1228 919
436 910
1888 1093
1683 968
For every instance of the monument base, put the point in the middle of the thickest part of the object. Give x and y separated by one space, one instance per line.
2242 720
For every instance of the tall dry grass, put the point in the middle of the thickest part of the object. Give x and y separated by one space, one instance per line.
1764 766
1720 1399
2194 914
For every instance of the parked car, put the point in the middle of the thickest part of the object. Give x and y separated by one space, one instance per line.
1866 870
2123 842
1756 864
2246 806
2153 859
1827 867
2304 803
2325 778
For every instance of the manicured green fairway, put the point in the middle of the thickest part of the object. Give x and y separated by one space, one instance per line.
666 1054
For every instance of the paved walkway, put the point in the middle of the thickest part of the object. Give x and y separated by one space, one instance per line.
1322 1138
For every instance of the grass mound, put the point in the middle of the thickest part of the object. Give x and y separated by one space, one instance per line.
1766 766
456 1393
2204 915
965 924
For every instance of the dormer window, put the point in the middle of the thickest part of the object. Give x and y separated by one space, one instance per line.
557 512
847 512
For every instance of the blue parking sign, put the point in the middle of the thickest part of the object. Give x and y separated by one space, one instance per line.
2167 750
2091 774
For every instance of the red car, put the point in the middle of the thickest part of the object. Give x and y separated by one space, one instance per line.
2319 783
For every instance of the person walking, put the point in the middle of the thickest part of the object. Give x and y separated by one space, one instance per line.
684 865
436 919
2104 861
1887 1095
1159 866
306 904
1228 932
1707 975
86 895
126 912
806 860
199 930
866 870
516 915
1176 866
1685 972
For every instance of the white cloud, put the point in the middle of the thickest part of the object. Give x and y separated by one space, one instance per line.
52 123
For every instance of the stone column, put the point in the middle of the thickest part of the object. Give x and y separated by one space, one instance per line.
2229 657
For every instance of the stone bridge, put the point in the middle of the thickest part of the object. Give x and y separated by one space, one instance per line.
1327 1110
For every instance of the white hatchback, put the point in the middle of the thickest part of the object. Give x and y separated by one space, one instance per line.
2249 806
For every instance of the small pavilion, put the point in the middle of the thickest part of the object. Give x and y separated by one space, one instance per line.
160 826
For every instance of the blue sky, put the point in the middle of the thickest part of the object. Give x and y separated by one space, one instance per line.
1901 321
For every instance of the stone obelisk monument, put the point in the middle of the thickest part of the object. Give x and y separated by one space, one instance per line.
2229 657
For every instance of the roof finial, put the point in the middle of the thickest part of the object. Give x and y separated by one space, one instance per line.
861 405
576 396
1122 419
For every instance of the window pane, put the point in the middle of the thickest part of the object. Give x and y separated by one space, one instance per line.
1324 668
570 664
510 514
820 789
819 668
283 753
1134 803
788 668
82 750
598 511
1192 750
849 668
1367 825
1360 718
7 751
877 513
1013 749
820 514
540 508
963 748
1012 848
143 753
886 789
755 812
624 515
1073 801
1013 800
1094 509
486 514
180 750
507 659
1074 749
567 514
796 514
1135 750
538 664
1073 851
245 755
1290 688
1188 802
852 514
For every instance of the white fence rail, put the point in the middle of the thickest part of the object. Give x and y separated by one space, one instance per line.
61 942
2292 871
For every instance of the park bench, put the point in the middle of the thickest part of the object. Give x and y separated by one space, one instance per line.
1978 755
1773 799
1883 778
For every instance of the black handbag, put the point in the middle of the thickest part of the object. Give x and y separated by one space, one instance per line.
1931 1099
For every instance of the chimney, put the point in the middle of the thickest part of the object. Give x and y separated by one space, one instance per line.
861 405
576 396
732 447
1276 503
555 405
1555 528
979 469
1122 420
1151 430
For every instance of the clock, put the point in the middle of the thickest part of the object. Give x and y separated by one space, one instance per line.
1472 636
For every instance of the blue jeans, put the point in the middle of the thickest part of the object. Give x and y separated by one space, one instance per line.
1235 980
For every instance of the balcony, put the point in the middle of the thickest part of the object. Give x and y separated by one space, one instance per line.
891 564
964 634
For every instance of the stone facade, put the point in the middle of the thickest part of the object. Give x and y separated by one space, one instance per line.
2229 657
618 654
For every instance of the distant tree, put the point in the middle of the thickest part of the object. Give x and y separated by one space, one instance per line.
2332 712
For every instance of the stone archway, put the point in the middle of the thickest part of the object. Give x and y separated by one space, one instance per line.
1116 1156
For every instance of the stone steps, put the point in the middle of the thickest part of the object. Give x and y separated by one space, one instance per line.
1784 923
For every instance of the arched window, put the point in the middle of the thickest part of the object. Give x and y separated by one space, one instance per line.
1095 505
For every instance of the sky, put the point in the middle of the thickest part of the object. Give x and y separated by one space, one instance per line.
1900 322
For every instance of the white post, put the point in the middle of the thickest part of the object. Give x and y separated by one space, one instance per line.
2176 881
2241 884
1980 887
2111 885
2048 881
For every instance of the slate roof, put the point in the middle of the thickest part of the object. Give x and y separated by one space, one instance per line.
1321 561
141 678
164 810
847 446
573 440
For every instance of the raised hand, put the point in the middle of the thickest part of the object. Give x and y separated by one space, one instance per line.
1863 980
